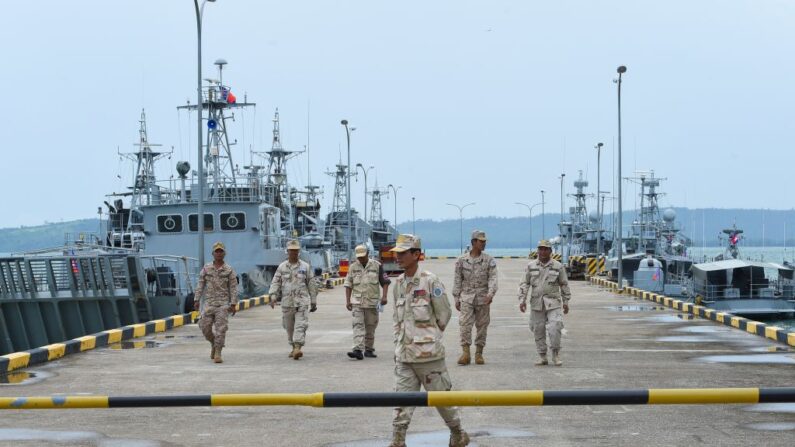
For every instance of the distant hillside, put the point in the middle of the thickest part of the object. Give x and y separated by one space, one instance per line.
43 236
762 227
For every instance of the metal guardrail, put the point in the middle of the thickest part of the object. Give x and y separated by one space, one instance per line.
514 398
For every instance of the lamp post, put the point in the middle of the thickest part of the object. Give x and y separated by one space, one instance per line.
543 226
359 165
619 241
598 193
394 191
348 188
562 205
530 211
461 219
199 107
413 220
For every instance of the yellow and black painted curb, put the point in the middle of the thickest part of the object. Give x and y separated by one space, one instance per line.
337 281
672 396
753 327
24 359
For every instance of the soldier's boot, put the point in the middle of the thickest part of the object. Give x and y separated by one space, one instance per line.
556 358
292 351
356 354
398 437
212 352
297 354
479 356
370 353
542 361
458 437
464 359
217 357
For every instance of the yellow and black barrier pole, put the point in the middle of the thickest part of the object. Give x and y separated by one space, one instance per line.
516 398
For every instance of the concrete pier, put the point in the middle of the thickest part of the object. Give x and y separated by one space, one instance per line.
611 341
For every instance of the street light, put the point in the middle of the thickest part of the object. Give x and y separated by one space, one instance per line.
348 188
543 226
359 165
562 205
619 242
598 192
413 220
394 191
461 218
530 211
199 107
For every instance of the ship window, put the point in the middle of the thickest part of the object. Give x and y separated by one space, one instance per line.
233 221
169 223
193 222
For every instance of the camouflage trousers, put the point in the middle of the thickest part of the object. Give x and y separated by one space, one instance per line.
214 323
546 323
365 320
296 321
432 376
478 315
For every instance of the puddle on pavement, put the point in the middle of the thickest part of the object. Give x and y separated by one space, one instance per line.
750 358
659 319
773 426
708 329
771 349
772 408
70 437
440 438
175 337
688 339
22 377
138 344
636 308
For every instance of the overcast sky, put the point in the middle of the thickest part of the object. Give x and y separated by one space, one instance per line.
456 101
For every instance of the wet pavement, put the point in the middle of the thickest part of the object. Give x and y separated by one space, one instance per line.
610 342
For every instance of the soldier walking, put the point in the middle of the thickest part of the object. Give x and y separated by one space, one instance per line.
474 287
365 287
546 280
218 289
293 283
421 313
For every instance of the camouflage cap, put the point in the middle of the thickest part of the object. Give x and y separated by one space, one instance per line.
361 251
293 244
544 243
479 235
407 242
219 246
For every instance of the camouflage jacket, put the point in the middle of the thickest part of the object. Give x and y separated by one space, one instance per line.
421 313
218 286
294 284
547 284
365 282
475 278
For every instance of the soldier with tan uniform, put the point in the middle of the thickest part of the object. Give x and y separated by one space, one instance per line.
293 283
421 313
366 286
474 287
546 280
218 289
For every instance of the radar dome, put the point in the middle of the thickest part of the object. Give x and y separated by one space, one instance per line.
669 215
183 167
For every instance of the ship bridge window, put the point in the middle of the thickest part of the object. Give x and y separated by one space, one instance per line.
193 222
169 223
233 221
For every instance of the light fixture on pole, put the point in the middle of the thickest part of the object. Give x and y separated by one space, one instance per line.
199 108
461 219
530 211
359 165
598 193
394 191
348 187
619 239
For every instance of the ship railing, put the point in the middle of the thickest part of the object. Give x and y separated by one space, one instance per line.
172 275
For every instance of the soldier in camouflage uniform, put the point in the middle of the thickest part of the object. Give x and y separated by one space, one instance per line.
218 289
421 313
293 283
549 286
474 287
365 286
